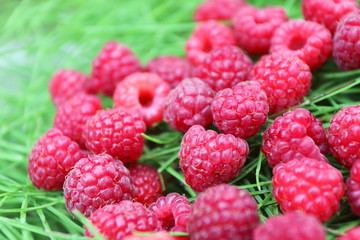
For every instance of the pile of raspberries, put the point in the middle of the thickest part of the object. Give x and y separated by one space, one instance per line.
91 152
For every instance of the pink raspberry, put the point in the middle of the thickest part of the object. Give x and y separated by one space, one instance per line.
208 158
240 110
347 42
96 181
51 159
218 9
290 226
189 104
114 62
308 185
224 67
351 234
145 93
206 37
353 195
286 80
355 171
152 236
116 132
309 41
223 212
254 27
118 220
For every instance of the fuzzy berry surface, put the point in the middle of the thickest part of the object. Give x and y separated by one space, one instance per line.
206 37
208 158
240 110
285 78
151 236
309 186
347 42
218 9
219 212
96 181
189 104
116 221
254 27
224 67
144 93
351 234
116 132
353 195
51 159
113 63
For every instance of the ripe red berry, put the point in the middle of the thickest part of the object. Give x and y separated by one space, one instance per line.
355 171
254 27
308 185
151 236
286 80
351 234
144 93
96 181
240 110
309 41
116 132
114 62
223 212
206 37
208 158
353 194
224 67
189 104
218 9
51 158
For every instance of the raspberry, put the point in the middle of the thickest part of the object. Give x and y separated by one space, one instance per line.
351 234
353 194
293 225
118 220
96 181
170 68
309 41
224 67
218 9
240 110
286 80
355 171
328 14
155 236
114 62
254 27
347 42
147 183
223 212
115 132
308 185
66 84
295 135
206 37
344 135
189 104
144 93
71 117
208 158
51 158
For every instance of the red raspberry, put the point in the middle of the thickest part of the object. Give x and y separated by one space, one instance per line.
208 158
145 93
206 37
66 84
118 220
355 171
351 234
115 132
353 195
223 212
327 13
308 185
286 80
218 9
295 135
240 110
344 135
170 68
154 236
114 62
347 42
51 158
224 67
293 225
254 27
96 181
309 41
71 117
147 183
189 104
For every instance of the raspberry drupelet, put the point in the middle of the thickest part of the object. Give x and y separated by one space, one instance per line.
218 9
351 234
